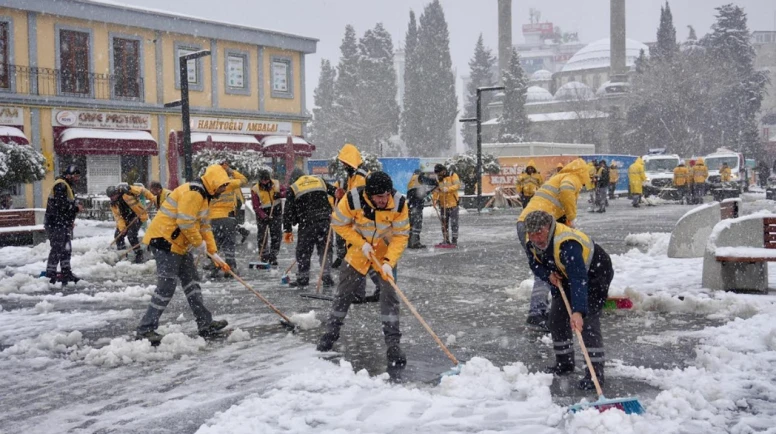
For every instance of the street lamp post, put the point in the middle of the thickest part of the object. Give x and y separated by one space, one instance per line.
184 104
478 120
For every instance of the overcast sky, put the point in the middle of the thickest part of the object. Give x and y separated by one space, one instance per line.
325 20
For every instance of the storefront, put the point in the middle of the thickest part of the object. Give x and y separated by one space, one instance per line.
108 147
12 132
264 136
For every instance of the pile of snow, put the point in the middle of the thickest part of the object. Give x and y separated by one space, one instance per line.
305 321
521 291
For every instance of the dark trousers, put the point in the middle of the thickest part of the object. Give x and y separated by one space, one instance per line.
225 232
61 249
599 277
171 267
450 222
312 235
351 281
524 200
131 234
275 225
682 191
416 223
612 187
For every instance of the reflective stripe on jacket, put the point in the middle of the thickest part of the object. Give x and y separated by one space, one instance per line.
558 196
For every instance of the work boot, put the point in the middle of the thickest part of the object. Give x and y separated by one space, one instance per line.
538 321
327 342
299 283
455 241
586 383
327 282
560 369
68 276
243 233
374 298
52 277
139 257
213 329
396 356
152 336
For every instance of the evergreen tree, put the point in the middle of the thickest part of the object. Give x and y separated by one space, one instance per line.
480 68
436 84
376 109
730 47
515 126
666 46
323 127
346 88
413 106
642 62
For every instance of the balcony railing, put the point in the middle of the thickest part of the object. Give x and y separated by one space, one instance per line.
55 82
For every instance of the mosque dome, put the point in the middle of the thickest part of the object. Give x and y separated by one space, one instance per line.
598 55
541 75
574 91
537 94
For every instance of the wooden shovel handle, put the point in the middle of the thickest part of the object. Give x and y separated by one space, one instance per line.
582 345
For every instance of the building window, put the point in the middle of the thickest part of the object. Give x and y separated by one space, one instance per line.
127 80
5 42
237 77
194 67
74 62
282 77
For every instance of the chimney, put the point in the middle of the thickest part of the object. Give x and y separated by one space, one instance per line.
618 69
504 37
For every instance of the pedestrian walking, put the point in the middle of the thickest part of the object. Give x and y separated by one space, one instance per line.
374 220
307 205
558 197
59 221
568 260
179 231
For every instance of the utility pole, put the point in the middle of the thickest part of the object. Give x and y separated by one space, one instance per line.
478 120
184 104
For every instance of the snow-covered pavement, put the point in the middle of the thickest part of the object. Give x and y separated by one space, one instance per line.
700 361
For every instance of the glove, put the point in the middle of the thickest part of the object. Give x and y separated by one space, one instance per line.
367 249
337 262
339 193
220 263
200 250
387 269
288 237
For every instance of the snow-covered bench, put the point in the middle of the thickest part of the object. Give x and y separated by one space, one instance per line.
737 254
21 226
689 237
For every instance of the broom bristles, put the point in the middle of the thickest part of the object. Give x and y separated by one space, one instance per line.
627 405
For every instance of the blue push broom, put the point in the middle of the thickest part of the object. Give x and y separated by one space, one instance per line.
629 405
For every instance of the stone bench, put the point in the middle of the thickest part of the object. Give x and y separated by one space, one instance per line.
20 227
738 252
689 237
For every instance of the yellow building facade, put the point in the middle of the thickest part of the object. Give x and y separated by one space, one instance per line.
86 83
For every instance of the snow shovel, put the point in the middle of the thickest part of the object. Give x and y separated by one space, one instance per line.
126 252
284 279
317 294
124 232
261 265
628 405
455 369
285 321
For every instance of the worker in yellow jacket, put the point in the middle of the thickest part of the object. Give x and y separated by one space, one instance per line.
636 177
558 197
223 218
681 180
129 215
350 157
374 221
180 231
528 182
614 176
699 175
445 196
725 174
266 198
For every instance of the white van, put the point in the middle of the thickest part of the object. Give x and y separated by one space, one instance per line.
659 169
734 160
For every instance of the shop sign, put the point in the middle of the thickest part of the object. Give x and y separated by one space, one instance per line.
95 119
239 126
11 116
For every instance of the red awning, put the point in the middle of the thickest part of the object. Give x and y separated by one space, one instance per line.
275 146
232 142
12 135
87 141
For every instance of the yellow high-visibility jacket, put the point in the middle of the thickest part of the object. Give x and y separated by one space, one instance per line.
146 193
725 174
636 176
225 203
681 175
358 222
558 196
562 234
528 184
614 174
699 172
183 222
266 198
134 204
446 195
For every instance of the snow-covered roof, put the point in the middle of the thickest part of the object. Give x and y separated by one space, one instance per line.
281 140
574 91
558 116
537 94
597 55
542 75
93 133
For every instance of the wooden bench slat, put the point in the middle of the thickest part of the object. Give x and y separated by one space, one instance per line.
743 259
